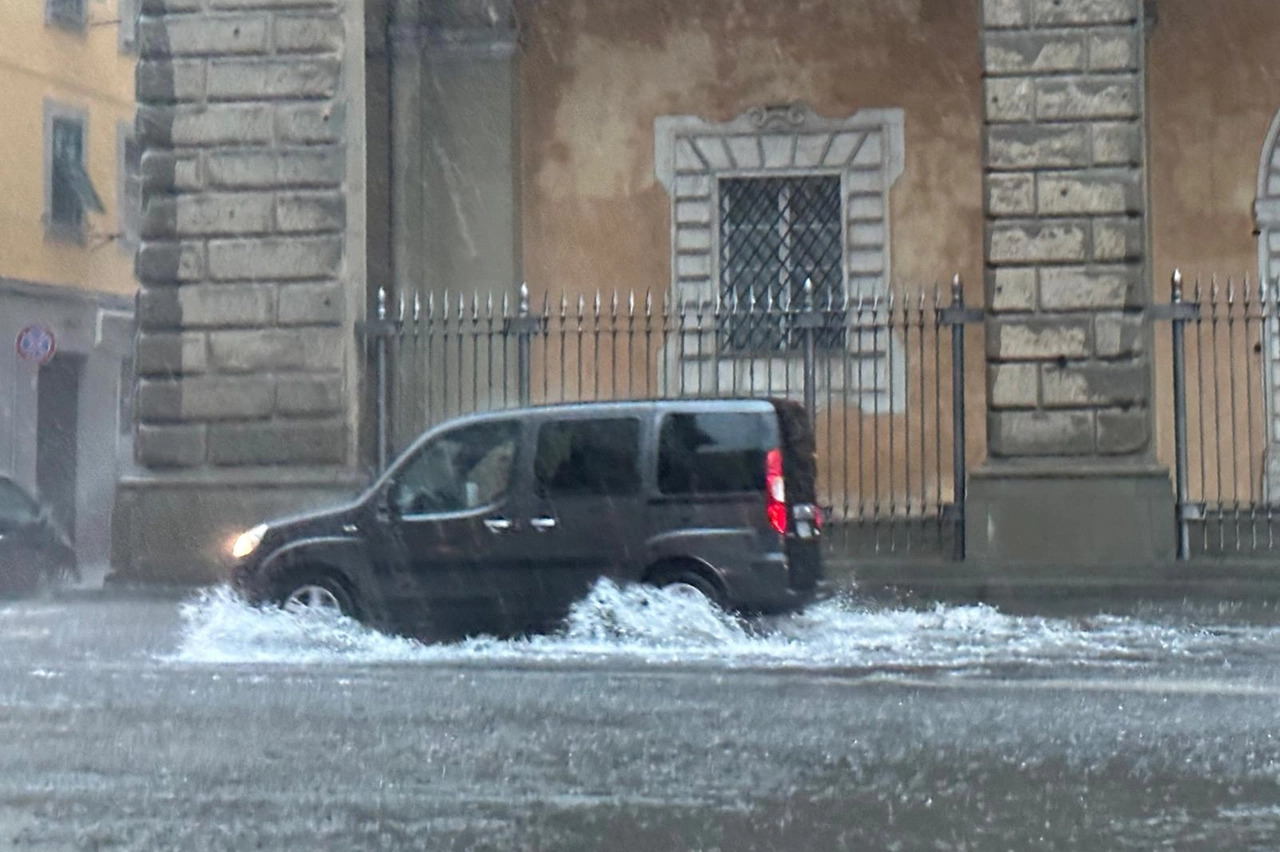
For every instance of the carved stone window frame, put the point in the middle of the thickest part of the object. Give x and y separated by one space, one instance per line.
1266 213
866 150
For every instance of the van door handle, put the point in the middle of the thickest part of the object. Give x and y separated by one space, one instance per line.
542 524
498 525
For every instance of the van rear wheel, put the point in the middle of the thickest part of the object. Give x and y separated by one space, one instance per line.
691 585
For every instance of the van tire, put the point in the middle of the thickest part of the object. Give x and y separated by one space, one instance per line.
320 585
692 578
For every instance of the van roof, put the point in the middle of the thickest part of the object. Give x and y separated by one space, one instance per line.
702 403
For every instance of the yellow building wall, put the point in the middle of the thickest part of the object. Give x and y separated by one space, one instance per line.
85 71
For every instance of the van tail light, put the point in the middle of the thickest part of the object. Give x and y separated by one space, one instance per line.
775 492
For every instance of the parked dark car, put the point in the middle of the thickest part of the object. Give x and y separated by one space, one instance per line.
497 523
34 553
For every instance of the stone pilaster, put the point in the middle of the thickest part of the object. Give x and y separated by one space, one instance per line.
1070 372
246 358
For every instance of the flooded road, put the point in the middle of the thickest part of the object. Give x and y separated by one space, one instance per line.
651 723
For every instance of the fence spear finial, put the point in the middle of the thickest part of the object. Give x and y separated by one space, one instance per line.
524 298
1177 286
382 303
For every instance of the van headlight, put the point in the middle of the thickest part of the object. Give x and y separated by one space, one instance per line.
247 542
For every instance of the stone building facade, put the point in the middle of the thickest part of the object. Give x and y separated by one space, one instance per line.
303 154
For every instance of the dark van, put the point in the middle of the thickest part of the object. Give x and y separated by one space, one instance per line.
497 523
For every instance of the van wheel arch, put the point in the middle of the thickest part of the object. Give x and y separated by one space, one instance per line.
668 571
290 577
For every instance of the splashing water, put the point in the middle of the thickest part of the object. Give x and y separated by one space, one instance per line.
648 625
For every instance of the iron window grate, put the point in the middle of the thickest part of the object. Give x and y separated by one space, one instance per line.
774 234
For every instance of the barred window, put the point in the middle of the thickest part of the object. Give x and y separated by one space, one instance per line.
774 234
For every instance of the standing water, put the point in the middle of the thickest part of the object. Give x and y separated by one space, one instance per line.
643 625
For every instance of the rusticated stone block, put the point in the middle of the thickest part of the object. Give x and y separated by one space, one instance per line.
1006 13
312 395
1010 99
278 442
170 353
1094 384
261 350
170 81
1014 385
1031 52
1038 339
202 35
205 398
1011 194
170 446
1117 144
1041 433
308 34
166 172
260 79
281 258
1075 98
1116 240
1118 335
1013 289
1123 432
310 212
1037 146
170 262
1113 50
208 305
312 303
1089 192
1037 241
1083 12
1078 288
309 124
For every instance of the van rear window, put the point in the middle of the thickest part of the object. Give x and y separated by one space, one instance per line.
713 453
588 457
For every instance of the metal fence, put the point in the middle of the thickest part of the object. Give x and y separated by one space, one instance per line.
1225 342
882 378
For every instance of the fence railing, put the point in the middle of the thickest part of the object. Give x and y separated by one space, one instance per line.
882 377
1225 348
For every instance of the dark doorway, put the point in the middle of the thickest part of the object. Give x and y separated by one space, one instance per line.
57 425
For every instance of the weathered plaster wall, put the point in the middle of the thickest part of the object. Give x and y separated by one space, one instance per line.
1214 92
597 72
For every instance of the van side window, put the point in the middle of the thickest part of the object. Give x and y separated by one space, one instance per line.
588 458
466 468
712 453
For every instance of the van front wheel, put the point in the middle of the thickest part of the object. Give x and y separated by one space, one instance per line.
314 592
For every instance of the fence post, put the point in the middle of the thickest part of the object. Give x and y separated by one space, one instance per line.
958 451
810 354
524 325
383 425
1178 318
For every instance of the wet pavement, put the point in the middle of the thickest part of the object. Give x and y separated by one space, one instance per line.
651 724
